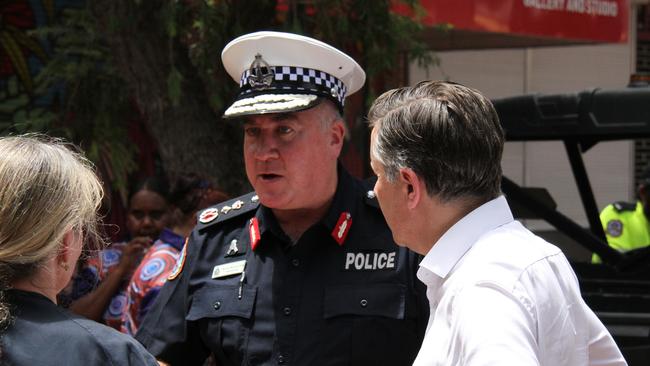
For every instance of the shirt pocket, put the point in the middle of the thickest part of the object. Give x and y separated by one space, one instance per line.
216 301
223 318
369 321
383 300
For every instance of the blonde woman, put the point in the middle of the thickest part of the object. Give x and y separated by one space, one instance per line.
49 198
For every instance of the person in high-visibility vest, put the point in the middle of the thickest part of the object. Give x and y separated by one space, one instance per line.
626 224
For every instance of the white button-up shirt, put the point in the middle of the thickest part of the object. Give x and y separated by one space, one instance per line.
499 295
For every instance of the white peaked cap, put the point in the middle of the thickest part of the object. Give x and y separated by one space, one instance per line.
282 72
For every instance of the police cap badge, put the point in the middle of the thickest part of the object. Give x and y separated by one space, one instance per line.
285 72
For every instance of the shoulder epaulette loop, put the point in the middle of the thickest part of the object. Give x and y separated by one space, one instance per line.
227 210
369 197
624 206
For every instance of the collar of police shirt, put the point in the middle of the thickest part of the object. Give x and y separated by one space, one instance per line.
343 201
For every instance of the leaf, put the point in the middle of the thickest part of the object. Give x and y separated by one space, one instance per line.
20 121
40 119
28 42
17 59
12 104
13 86
170 20
49 8
92 152
216 101
4 126
174 81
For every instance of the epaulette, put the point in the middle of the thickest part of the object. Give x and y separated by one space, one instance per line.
227 210
369 186
624 206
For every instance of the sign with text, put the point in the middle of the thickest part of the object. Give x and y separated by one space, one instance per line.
588 20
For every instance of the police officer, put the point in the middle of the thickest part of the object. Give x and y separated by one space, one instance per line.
626 223
303 271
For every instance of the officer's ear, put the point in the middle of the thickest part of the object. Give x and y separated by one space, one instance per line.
413 187
337 131
335 134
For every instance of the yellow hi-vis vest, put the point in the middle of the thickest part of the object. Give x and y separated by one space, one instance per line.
626 227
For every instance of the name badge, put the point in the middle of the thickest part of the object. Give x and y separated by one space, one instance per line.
228 269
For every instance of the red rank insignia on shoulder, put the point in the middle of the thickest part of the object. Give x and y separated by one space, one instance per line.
342 228
254 232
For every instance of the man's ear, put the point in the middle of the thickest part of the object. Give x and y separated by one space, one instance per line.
413 186
337 135
338 132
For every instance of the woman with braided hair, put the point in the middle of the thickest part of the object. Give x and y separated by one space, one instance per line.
49 197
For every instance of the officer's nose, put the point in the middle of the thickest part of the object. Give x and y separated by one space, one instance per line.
266 148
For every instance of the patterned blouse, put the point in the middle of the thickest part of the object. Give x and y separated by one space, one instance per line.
148 278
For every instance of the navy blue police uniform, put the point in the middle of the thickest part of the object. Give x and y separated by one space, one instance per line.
44 334
343 294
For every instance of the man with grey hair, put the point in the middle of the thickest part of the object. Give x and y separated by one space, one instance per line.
498 294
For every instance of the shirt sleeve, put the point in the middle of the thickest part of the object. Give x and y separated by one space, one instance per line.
112 348
603 351
491 327
164 331
128 353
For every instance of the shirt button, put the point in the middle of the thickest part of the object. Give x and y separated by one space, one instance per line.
280 359
287 311
217 305
363 303
295 262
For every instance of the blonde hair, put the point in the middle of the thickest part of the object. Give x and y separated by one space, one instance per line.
46 189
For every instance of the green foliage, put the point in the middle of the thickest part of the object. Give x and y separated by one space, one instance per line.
207 26
93 105
174 86
366 29
17 116
108 147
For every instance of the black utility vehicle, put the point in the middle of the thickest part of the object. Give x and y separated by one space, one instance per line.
619 289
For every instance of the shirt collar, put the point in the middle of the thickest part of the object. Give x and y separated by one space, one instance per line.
456 241
343 202
268 223
171 238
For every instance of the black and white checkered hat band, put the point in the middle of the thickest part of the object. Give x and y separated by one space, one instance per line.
291 79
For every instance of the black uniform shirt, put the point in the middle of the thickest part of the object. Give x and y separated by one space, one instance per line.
44 334
344 294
